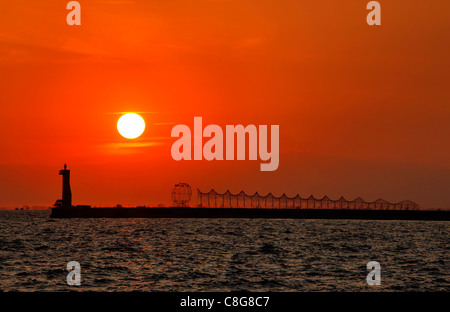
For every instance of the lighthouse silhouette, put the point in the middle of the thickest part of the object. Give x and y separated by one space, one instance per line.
66 201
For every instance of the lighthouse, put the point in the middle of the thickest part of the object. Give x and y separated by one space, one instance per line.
66 201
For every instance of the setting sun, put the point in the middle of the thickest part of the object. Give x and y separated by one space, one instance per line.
131 125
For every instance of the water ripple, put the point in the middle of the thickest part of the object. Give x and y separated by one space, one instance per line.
221 254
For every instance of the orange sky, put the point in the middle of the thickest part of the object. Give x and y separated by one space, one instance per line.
363 111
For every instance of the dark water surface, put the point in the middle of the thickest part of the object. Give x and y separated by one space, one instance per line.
221 254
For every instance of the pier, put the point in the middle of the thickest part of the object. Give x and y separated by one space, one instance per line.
241 205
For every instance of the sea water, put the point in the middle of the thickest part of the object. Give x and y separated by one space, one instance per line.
221 254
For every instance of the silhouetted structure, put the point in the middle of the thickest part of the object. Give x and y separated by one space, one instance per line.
241 205
212 199
181 194
66 201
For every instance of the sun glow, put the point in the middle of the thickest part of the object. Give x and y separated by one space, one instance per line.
131 125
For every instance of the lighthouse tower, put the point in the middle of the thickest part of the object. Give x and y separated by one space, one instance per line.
66 201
